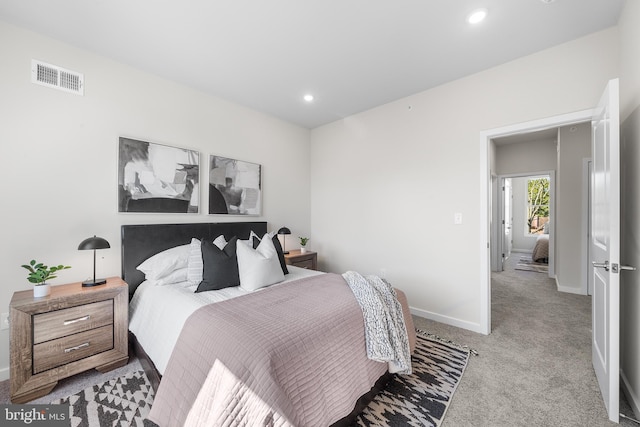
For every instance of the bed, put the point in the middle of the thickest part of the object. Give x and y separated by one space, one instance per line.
292 353
541 249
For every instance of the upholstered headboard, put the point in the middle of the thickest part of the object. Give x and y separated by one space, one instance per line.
139 242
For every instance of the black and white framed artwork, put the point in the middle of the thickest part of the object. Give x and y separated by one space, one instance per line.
157 178
235 187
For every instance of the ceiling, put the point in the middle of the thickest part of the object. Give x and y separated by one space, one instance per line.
352 55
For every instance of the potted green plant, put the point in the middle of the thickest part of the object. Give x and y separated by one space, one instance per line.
39 274
303 244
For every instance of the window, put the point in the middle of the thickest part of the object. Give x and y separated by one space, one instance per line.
537 204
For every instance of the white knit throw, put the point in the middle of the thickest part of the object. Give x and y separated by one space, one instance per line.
385 330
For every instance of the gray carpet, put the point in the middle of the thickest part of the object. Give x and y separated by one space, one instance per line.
534 369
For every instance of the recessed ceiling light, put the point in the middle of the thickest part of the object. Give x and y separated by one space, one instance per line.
477 16
308 97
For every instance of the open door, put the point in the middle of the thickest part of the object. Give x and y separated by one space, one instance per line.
507 220
604 253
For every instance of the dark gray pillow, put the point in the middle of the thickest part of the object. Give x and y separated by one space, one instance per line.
220 266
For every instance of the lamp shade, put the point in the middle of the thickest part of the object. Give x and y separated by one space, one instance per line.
93 243
284 230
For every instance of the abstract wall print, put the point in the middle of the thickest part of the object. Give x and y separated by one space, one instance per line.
235 187
157 178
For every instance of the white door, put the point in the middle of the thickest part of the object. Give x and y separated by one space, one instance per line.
507 220
605 247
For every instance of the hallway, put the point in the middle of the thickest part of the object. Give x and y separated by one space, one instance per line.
534 369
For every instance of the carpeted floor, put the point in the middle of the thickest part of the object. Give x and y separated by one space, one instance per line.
534 369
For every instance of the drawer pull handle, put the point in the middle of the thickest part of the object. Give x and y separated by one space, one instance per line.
79 319
78 347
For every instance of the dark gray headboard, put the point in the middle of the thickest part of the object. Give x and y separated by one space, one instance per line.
139 242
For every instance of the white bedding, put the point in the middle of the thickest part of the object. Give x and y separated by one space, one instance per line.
158 312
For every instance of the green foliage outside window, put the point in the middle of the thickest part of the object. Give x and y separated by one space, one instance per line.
538 194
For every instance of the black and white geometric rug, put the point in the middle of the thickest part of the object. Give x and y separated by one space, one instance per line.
123 401
419 399
422 398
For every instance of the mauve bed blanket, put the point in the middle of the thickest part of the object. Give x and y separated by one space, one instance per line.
290 355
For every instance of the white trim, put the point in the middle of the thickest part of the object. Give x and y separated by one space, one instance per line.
632 397
485 181
474 327
568 289
4 374
584 234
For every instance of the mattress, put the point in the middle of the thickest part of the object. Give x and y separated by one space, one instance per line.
541 249
157 313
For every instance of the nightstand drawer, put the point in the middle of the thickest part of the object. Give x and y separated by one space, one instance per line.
307 263
71 348
308 259
60 323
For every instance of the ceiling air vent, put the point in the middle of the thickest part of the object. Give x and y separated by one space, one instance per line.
57 77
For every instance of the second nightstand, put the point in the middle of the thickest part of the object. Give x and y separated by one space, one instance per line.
309 259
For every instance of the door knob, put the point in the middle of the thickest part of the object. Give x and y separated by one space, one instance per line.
616 267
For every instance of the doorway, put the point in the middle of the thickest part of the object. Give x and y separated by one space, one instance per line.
525 218
487 153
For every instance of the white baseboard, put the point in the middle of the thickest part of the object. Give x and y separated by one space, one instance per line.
474 327
4 373
632 397
568 289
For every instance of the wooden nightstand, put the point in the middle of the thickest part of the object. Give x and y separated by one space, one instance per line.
72 330
308 259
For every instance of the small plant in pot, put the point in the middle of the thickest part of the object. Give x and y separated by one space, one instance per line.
39 274
303 244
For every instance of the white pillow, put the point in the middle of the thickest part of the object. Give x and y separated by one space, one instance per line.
258 267
194 264
176 276
165 262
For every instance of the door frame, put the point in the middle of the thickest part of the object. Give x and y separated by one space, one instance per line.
552 212
485 203
587 279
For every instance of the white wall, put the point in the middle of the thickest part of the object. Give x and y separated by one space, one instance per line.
59 153
629 29
385 184
526 157
573 147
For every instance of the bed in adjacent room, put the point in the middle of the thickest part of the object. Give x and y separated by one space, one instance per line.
285 347
541 249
